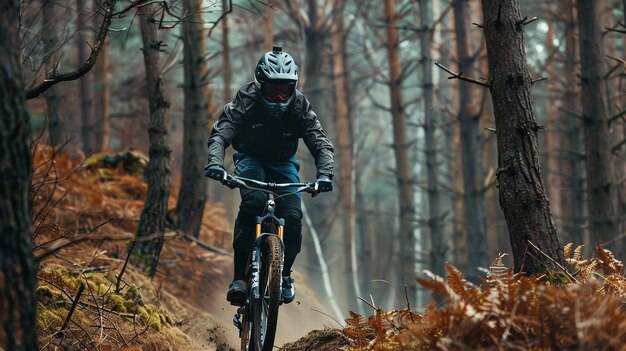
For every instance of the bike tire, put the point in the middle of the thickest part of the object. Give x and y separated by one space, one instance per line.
270 279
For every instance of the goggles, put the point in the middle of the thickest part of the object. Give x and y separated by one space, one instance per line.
277 92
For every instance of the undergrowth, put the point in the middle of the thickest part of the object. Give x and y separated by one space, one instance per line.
83 219
508 312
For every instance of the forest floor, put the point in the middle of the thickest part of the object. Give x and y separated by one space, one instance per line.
85 216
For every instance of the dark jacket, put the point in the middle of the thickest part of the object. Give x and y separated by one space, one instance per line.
246 125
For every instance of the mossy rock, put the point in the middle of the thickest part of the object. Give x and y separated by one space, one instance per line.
117 303
133 162
50 296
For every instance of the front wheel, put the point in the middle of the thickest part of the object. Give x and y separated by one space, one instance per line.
246 333
266 309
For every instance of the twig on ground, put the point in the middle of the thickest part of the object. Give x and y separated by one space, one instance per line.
571 278
378 310
327 315
74 303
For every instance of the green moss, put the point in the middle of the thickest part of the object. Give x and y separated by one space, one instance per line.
142 313
50 318
556 278
50 296
117 303
130 306
155 322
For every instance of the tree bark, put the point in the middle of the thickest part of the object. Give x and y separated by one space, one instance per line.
193 187
345 143
17 267
53 96
401 150
573 200
268 39
85 82
522 195
474 212
552 133
226 56
152 221
314 39
601 188
439 247
103 99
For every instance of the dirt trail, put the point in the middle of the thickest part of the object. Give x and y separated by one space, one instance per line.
294 321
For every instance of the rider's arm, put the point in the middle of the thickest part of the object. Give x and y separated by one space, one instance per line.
225 130
317 142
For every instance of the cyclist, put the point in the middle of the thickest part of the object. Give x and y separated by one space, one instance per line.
263 124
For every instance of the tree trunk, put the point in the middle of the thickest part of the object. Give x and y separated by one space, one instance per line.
17 267
345 143
85 81
314 40
552 133
229 198
268 39
314 58
474 211
573 200
152 221
438 241
522 195
102 130
53 96
401 150
227 72
192 193
601 189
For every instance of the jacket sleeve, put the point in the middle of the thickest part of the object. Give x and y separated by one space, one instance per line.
223 133
318 143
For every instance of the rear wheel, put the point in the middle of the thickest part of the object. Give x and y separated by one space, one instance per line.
266 309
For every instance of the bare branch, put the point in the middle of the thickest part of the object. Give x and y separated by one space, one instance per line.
460 76
617 116
526 21
55 78
230 9
616 148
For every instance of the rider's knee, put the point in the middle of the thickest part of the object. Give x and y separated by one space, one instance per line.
243 235
253 203
292 216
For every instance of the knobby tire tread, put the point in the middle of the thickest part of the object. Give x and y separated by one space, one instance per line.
247 331
271 265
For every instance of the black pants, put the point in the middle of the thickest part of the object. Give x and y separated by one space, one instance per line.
253 203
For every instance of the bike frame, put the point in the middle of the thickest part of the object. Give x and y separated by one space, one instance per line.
269 215
267 219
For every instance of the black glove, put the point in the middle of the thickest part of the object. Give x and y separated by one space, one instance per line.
323 184
215 172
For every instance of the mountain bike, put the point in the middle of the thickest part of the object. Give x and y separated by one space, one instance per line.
257 318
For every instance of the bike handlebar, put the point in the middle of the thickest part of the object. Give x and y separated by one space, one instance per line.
234 181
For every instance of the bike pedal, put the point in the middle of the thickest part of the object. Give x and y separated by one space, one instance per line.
237 322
